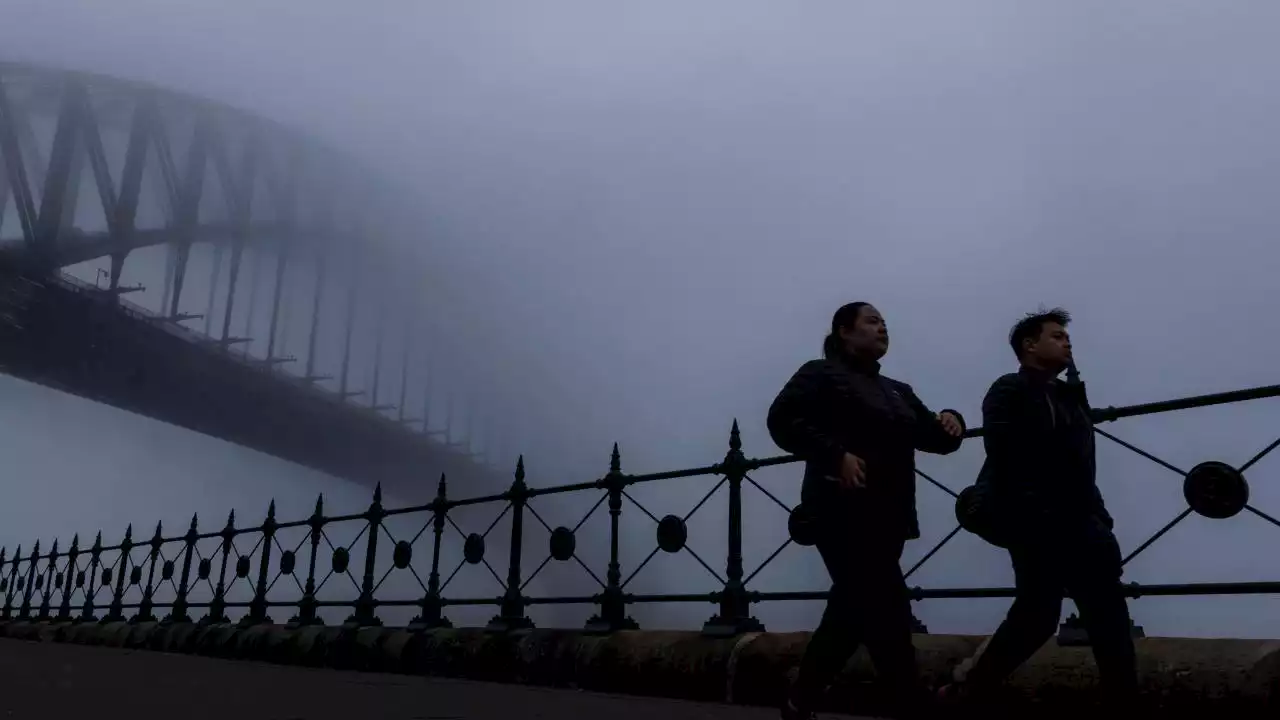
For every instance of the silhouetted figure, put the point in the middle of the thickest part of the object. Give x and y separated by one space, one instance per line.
1037 496
858 432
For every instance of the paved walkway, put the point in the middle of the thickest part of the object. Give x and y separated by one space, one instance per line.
44 680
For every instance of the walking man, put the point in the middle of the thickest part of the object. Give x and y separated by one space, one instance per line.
1038 494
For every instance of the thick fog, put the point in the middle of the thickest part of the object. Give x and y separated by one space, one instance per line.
635 219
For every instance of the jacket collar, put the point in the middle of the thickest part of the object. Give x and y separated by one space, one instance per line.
1037 377
860 365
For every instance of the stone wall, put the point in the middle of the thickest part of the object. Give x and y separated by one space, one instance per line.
1229 677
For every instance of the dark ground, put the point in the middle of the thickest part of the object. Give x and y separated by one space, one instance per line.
52 681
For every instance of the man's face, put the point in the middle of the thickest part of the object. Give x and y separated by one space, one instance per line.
1052 350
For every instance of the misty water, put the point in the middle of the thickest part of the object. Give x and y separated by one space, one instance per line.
633 226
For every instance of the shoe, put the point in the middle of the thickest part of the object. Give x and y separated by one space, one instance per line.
952 693
791 712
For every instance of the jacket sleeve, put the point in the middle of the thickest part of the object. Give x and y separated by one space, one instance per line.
798 424
930 435
1013 445
1007 433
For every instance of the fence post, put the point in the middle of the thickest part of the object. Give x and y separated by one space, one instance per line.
735 604
64 609
90 595
258 606
178 613
217 608
431 615
29 583
12 586
512 616
307 606
144 609
46 587
365 605
115 611
613 604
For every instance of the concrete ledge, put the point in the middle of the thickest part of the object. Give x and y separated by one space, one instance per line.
1237 676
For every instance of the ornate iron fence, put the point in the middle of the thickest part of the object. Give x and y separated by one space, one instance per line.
103 583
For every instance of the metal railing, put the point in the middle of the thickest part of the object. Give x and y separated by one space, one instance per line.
120 582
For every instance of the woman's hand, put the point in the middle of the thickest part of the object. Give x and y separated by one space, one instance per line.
951 423
853 472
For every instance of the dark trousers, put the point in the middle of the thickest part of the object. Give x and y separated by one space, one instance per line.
1087 571
869 603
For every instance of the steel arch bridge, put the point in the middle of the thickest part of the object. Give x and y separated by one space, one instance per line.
259 226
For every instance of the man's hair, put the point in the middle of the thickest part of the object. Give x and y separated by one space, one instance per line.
1030 327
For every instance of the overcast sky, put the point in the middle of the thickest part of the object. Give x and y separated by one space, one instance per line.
645 213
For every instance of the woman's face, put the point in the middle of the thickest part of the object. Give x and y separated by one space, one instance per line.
868 337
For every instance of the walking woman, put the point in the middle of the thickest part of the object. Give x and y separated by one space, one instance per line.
857 432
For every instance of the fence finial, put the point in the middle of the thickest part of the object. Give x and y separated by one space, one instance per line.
615 461
735 438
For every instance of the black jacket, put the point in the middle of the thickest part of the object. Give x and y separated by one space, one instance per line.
1040 475
830 407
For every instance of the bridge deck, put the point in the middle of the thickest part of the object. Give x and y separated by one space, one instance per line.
48 680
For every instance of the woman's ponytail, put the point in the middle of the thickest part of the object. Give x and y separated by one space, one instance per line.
831 346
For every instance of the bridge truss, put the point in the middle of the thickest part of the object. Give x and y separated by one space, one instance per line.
260 225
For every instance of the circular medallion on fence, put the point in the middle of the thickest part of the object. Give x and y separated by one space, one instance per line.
40 582
402 555
242 566
672 534
473 549
1215 490
58 580
204 568
166 570
341 559
106 576
21 583
79 580
563 543
135 576
4 585
802 526
287 562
